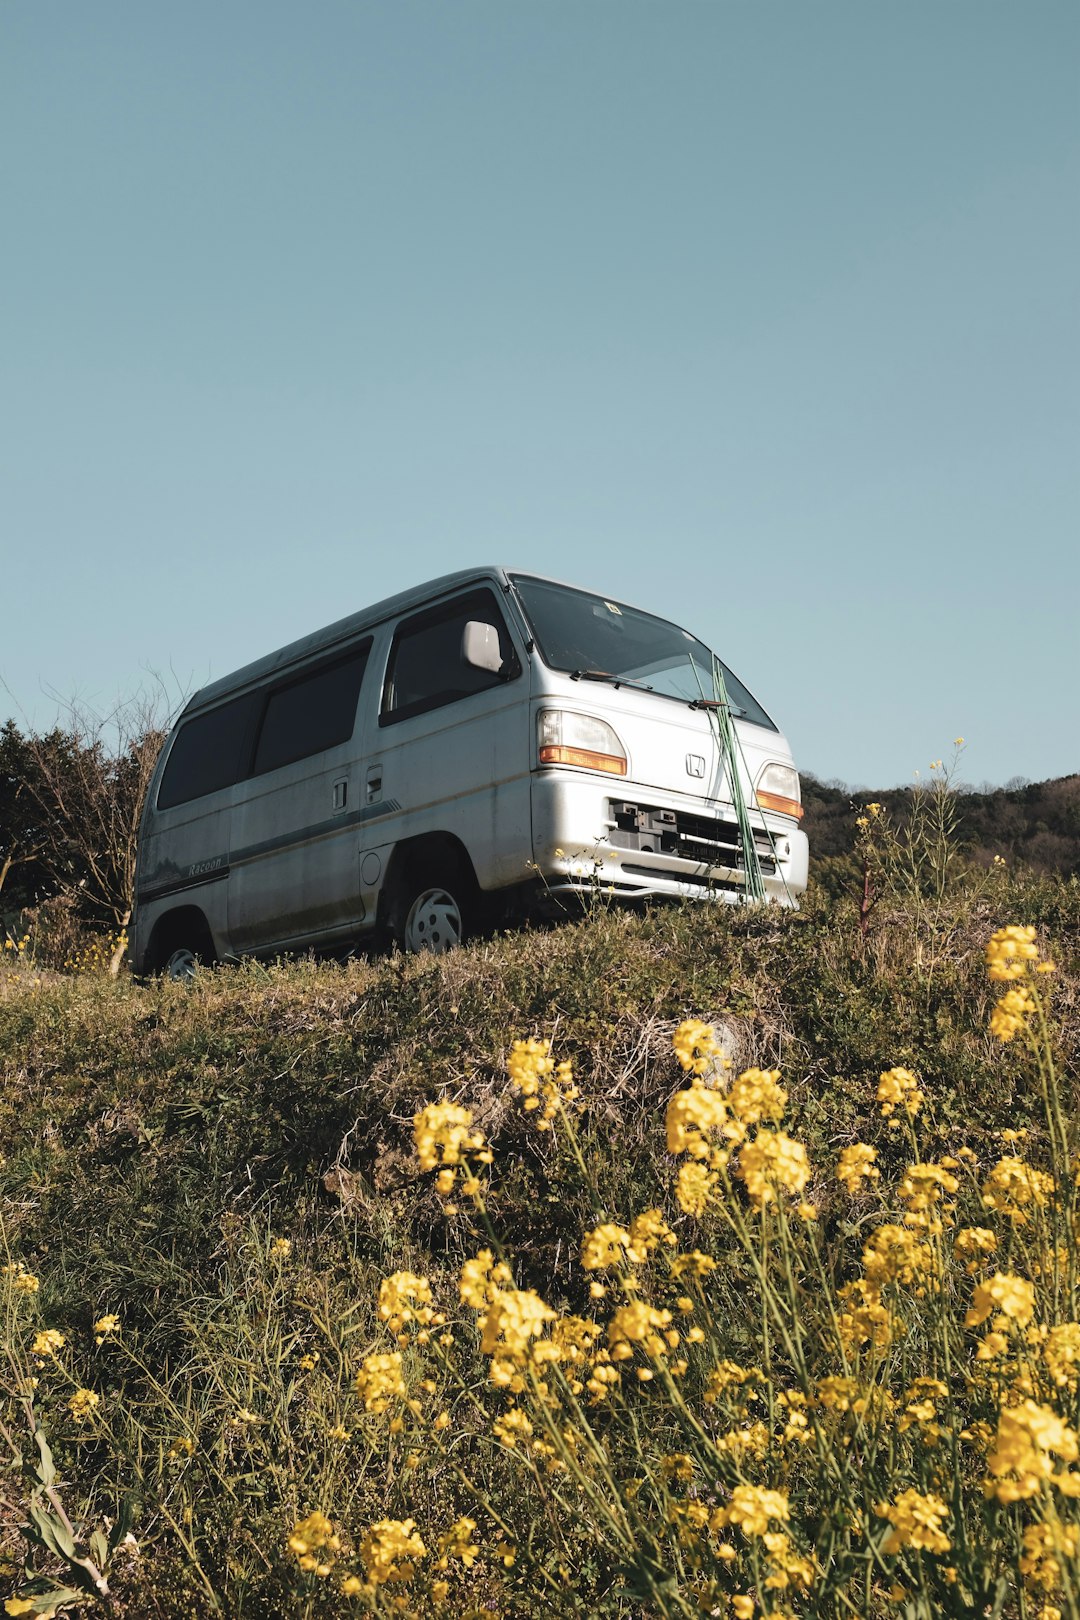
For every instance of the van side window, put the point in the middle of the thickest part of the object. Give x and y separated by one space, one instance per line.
311 714
427 669
210 752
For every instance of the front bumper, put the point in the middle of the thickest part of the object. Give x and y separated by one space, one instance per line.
629 840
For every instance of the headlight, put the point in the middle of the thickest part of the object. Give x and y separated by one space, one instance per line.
778 789
567 738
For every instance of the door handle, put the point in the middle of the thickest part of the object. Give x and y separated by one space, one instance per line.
341 793
373 788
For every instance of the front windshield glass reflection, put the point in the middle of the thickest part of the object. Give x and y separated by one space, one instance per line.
597 636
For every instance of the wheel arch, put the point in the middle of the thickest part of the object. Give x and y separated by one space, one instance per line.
183 925
433 853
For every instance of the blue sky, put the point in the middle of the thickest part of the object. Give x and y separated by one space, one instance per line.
764 316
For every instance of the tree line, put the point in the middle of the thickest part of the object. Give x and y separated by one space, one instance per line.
70 803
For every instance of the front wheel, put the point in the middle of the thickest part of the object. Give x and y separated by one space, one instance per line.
436 913
180 964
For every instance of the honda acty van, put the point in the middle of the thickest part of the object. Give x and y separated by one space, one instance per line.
489 745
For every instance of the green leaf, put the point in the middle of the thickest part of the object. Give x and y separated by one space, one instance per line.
99 1548
125 1518
51 1533
46 1470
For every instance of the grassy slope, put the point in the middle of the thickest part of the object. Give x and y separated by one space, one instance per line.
145 1128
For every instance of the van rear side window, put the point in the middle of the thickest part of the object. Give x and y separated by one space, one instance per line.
211 751
427 668
311 714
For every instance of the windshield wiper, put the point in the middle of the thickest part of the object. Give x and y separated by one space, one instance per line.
718 703
606 675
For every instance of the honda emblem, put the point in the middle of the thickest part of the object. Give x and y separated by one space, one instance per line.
695 765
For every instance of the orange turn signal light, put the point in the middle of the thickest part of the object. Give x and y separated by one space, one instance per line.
786 807
614 764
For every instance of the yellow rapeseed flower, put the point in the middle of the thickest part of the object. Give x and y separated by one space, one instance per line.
692 1115
605 1247
1014 1188
442 1133
695 1045
47 1343
856 1165
1012 1297
1010 1015
773 1160
694 1186
1009 951
972 1244
457 1542
1028 1436
105 1327
388 1551
639 1324
310 1542
379 1381
82 1404
403 1298
756 1095
1061 1352
19 1279
899 1088
894 1254
752 1507
917 1521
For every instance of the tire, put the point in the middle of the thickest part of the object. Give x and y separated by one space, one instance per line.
436 913
180 965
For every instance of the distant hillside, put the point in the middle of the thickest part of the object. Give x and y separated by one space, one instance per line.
1032 824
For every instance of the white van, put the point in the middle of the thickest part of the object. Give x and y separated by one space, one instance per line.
484 746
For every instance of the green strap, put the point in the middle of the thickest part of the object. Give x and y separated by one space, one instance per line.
730 749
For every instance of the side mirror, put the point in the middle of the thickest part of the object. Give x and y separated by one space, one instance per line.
480 647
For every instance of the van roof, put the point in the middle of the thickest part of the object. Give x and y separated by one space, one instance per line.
342 630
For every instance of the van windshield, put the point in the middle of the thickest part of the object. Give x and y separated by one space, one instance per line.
595 637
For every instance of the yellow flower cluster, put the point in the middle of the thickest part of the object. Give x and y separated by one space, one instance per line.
692 1117
752 1508
916 1521
19 1279
773 1160
105 1327
1014 1188
608 1246
894 1254
379 1381
442 1132
1047 1547
899 1088
638 1324
388 1551
545 1085
82 1404
457 1542
48 1342
1029 1436
972 1244
695 1045
856 1165
1013 1298
1061 1352
311 1539
404 1299
1009 951
1011 954
757 1094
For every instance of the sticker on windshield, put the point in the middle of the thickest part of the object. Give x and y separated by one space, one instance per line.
613 607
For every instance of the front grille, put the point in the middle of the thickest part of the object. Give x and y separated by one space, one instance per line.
708 840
